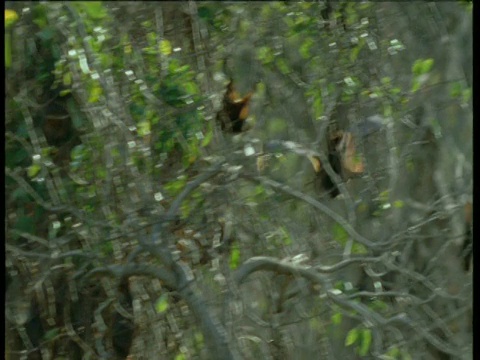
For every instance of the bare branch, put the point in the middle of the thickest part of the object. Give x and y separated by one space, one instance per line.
127 270
263 263
323 208
211 172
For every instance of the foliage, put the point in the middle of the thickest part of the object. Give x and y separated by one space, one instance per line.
135 226
363 337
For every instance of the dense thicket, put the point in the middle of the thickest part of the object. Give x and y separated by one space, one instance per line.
272 180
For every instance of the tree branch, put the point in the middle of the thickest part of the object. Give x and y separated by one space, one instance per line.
323 208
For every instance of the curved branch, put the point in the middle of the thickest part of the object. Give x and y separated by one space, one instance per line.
178 280
323 208
127 270
211 172
270 264
345 263
376 319
263 263
373 318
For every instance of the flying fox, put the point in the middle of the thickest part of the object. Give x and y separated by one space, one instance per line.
234 113
342 155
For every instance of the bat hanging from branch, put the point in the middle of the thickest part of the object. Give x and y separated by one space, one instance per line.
342 158
342 155
234 113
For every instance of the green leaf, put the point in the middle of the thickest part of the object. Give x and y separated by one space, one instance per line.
466 95
165 47
354 53
67 79
94 9
378 305
305 48
417 67
386 80
146 24
387 111
455 89
144 128
180 357
40 22
339 234
95 93
358 249
161 305
318 107
352 337
276 126
395 91
421 66
282 66
337 318
398 204
384 196
51 334
33 170
235 258
198 337
265 55
366 336
65 92
10 17
287 240
207 139
427 65
152 41
174 187
191 88
393 353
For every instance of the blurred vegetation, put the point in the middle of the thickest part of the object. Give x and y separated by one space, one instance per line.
110 112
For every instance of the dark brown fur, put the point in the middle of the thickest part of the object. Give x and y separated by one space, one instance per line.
232 117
